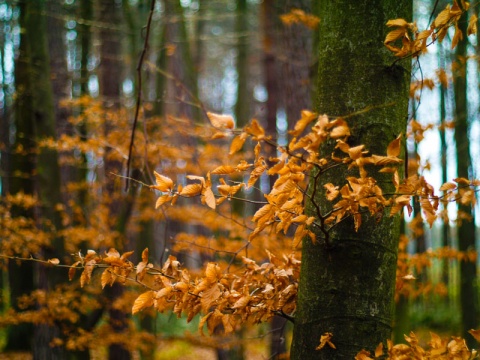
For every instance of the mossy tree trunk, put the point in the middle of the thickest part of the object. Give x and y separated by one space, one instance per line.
466 226
347 289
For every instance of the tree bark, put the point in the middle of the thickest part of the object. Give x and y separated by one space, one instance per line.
20 276
348 288
466 224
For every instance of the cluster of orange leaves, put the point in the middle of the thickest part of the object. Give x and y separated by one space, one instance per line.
407 40
438 348
255 294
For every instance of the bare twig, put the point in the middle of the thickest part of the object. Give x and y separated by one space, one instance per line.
139 89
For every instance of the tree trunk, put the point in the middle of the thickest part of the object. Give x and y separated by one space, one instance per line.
348 288
465 226
20 275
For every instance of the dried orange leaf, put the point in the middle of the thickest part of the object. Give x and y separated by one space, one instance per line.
237 143
394 147
448 186
209 198
143 301
164 183
475 334
324 340
162 200
191 190
107 278
223 170
397 22
221 121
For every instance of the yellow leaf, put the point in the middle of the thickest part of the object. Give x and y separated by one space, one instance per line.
143 301
209 198
394 147
164 183
221 121
191 190
237 143
379 350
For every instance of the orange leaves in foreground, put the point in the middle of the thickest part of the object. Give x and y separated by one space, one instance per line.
438 348
254 294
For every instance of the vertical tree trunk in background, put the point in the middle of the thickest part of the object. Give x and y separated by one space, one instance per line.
20 276
272 84
443 151
110 78
466 226
242 106
348 288
48 170
295 58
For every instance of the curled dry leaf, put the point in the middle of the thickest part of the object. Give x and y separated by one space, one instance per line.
222 122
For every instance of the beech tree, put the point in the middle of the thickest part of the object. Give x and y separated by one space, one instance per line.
347 280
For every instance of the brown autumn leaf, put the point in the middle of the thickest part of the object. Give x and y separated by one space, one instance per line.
223 170
237 143
209 296
306 118
144 301
164 183
162 200
472 25
475 334
394 147
363 355
209 198
107 278
223 122
397 22
191 190
256 130
73 269
448 186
